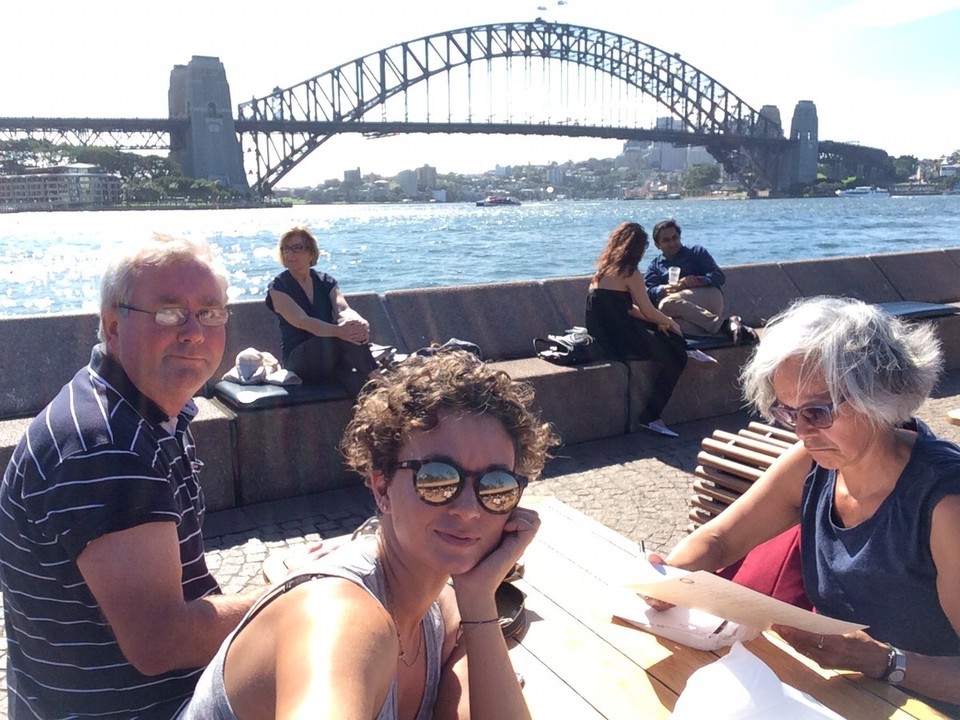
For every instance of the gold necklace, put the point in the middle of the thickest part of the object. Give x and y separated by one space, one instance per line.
402 656
391 609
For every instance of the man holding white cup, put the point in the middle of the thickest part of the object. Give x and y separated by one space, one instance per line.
685 284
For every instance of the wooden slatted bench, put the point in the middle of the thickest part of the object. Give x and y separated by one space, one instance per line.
730 463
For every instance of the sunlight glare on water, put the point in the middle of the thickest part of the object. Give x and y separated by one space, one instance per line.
51 262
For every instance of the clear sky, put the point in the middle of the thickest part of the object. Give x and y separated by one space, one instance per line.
885 73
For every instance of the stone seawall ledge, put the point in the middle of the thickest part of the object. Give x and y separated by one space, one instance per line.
288 450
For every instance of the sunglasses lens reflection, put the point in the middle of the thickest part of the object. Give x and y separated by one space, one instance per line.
499 491
437 483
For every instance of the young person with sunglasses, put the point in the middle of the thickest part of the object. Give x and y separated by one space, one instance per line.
374 629
321 336
876 494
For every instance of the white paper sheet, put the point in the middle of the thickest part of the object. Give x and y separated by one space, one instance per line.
740 686
687 626
713 594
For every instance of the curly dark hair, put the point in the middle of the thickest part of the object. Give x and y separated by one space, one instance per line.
410 398
623 251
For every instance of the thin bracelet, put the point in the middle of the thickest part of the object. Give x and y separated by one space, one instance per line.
479 622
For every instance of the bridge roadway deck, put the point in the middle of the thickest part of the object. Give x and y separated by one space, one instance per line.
636 484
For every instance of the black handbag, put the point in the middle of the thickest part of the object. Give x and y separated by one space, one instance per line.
574 347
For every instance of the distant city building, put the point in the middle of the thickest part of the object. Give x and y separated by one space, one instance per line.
427 178
407 180
555 176
503 171
351 177
949 170
665 156
78 185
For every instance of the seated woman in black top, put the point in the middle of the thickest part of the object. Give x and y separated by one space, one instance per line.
622 319
321 336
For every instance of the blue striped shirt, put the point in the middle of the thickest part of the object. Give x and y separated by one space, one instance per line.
97 460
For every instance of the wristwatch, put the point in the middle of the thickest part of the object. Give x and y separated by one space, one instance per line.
896 666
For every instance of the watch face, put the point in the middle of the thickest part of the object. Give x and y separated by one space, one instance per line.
896 676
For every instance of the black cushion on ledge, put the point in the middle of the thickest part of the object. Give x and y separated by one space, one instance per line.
907 309
262 397
707 342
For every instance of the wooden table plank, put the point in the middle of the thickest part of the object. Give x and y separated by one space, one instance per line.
606 679
547 695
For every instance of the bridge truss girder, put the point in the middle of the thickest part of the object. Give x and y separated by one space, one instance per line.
125 134
349 92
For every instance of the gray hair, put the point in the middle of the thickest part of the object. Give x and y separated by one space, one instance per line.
882 366
116 285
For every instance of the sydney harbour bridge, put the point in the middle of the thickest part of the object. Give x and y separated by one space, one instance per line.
525 78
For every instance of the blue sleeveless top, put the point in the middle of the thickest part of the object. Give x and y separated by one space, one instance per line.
881 573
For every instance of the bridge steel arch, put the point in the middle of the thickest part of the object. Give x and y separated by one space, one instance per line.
289 124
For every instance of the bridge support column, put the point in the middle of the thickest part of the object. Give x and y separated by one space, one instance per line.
199 93
806 152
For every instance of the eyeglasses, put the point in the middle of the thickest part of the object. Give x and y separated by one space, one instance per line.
294 248
438 482
818 416
174 316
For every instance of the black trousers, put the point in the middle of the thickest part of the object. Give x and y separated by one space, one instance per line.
322 359
669 352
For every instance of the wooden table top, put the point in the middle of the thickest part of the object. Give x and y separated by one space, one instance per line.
578 662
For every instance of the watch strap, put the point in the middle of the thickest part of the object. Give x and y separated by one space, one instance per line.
896 665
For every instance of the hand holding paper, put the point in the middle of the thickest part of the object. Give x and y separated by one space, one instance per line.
705 591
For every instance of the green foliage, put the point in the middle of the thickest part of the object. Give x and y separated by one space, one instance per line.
699 177
905 167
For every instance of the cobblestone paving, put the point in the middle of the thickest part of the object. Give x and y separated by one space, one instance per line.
636 484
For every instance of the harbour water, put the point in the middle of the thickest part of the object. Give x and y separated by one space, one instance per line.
51 262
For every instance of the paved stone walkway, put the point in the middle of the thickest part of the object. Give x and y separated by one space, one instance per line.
636 484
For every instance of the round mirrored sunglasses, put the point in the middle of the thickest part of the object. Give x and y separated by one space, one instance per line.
438 482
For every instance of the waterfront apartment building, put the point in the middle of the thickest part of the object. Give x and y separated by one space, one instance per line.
78 185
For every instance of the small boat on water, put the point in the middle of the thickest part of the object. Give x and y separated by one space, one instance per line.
864 191
494 200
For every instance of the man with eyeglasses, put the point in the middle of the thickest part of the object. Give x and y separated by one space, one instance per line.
110 609
694 296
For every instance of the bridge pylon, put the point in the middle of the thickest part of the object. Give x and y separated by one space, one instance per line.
211 150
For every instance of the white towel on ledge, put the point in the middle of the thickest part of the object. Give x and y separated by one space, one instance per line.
256 367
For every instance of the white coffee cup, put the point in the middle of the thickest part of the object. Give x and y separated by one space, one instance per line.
673 275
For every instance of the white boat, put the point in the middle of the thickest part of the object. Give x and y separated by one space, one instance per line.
494 200
864 191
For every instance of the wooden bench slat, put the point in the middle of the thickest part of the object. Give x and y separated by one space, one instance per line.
715 492
734 468
725 480
772 441
734 452
772 431
708 506
758 444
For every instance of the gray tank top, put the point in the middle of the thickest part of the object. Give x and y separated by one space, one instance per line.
356 562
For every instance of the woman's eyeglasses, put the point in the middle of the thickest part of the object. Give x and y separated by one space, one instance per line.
818 416
294 249
438 482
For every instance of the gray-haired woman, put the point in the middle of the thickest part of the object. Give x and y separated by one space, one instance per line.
876 494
